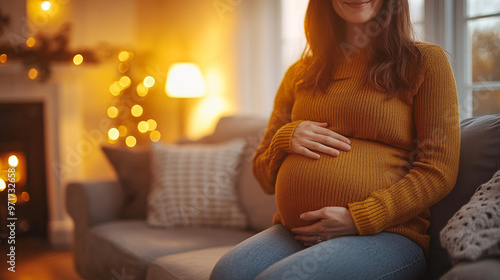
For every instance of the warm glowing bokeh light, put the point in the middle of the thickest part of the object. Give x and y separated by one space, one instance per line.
136 110
2 185
125 82
155 136
215 81
112 112
3 58
25 196
113 134
149 81
185 80
78 59
123 67
46 5
33 73
152 124
213 106
124 56
13 161
143 127
123 130
115 89
208 111
131 141
30 42
142 90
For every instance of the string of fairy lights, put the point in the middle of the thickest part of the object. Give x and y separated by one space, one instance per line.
33 72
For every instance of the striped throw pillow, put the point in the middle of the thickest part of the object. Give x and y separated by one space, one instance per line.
194 185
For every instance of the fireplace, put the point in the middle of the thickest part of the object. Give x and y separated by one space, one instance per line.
22 168
37 122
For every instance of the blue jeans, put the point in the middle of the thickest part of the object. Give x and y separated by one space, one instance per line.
275 254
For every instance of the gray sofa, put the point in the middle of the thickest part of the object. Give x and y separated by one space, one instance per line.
113 244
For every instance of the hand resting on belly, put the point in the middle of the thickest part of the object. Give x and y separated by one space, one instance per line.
331 222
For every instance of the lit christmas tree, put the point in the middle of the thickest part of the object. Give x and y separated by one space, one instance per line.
130 127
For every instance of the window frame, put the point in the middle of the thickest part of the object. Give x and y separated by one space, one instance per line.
467 85
450 17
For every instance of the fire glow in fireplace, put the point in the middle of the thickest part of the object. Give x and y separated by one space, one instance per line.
22 170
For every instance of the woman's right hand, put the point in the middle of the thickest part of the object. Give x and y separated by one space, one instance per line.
311 137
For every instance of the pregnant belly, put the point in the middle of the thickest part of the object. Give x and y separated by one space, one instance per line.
305 184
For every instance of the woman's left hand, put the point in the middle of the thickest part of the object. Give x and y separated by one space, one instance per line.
332 222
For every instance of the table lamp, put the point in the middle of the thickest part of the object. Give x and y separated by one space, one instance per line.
184 80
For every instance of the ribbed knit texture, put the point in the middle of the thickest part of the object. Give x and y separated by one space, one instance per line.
404 155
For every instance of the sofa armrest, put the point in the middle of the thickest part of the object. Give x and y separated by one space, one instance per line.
91 203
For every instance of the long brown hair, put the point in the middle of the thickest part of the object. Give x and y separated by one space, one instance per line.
392 49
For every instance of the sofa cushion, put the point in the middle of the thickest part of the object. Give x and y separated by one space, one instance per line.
129 246
479 160
193 265
132 169
259 206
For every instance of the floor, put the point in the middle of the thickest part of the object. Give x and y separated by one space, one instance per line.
36 260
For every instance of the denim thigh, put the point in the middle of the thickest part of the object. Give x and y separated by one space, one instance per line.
252 256
380 256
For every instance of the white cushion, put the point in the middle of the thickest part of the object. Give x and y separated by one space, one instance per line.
194 185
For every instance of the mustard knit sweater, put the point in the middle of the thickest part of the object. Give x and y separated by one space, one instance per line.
404 151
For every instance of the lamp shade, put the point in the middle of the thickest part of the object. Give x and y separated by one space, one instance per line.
184 80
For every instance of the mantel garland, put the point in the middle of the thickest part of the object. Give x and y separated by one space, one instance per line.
46 50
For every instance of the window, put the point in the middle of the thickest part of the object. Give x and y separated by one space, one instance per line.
480 26
417 10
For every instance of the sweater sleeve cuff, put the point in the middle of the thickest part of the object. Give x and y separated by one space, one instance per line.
282 140
368 215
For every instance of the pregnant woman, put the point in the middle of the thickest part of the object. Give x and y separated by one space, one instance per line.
363 139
